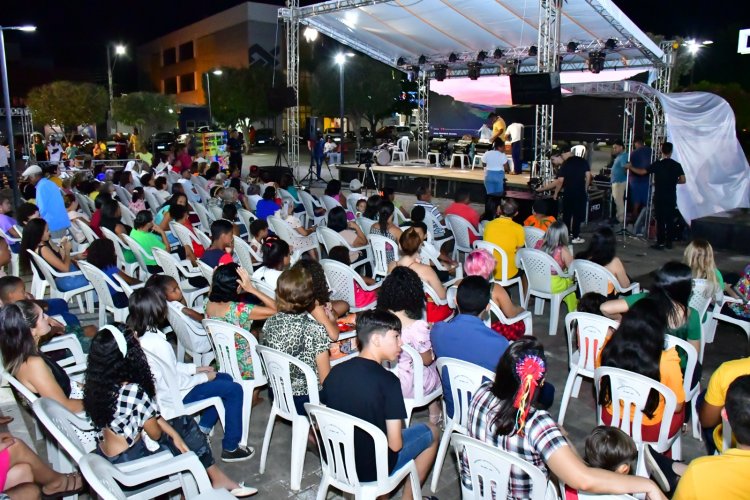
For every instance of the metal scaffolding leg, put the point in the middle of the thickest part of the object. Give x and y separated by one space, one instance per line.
423 115
548 41
292 80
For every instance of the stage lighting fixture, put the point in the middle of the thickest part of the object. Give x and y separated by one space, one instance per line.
498 54
572 47
474 71
596 61
533 51
511 66
610 44
400 61
481 56
441 71
452 58
422 59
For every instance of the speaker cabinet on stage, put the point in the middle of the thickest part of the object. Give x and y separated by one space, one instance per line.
535 88
275 173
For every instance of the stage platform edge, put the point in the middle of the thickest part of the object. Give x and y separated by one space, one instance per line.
728 230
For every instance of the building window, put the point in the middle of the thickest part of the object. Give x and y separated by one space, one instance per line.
170 85
186 51
169 56
187 82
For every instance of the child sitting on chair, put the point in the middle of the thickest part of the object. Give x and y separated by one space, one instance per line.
539 218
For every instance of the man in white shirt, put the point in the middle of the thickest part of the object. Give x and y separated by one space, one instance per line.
495 165
54 150
514 134
187 186
330 152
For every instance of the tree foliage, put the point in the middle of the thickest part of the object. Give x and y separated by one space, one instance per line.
68 104
684 60
239 95
146 110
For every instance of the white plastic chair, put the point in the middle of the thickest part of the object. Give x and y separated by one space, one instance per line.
419 399
122 194
700 300
140 254
538 266
223 335
278 367
334 432
477 160
49 276
126 215
691 393
191 337
430 221
205 270
310 204
101 284
461 156
14 267
531 235
719 316
187 237
631 390
380 253
77 361
366 224
490 469
578 150
402 152
498 313
130 268
200 188
329 203
341 279
591 332
83 204
214 212
252 201
88 233
248 258
176 269
592 277
151 201
202 213
246 217
264 287
435 298
504 281
461 229
65 449
286 233
330 239
465 378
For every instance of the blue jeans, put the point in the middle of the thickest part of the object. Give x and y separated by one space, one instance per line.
230 393
415 440
71 282
494 182
58 307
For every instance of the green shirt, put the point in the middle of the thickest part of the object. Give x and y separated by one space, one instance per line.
147 241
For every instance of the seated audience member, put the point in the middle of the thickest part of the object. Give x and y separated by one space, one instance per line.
334 309
167 287
101 254
385 227
6 221
461 207
148 315
481 263
71 205
161 193
610 448
506 234
372 207
492 210
120 398
293 330
162 216
258 233
382 404
638 346
424 199
602 251
229 213
36 237
362 297
539 218
180 215
389 194
25 212
402 294
286 182
503 413
222 244
699 255
333 194
276 258
410 243
138 201
268 205
305 237
715 400
355 188
149 236
188 187
349 230
361 207
725 475
555 244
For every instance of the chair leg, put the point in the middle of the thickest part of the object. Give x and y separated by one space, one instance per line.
695 420
554 313
538 306
181 353
677 448
322 488
79 299
442 451
577 386
247 408
572 376
416 488
267 439
300 430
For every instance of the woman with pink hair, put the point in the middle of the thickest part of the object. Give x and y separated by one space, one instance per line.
482 263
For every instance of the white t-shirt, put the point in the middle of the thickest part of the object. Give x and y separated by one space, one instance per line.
495 160
330 147
55 152
485 133
3 156
515 132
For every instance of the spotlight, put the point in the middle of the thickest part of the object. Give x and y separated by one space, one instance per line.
452 58
610 44
400 61
441 71
533 51
511 66
572 47
422 59
596 61
412 73
498 54
481 56
475 70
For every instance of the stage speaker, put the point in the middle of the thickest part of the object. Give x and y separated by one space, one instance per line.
535 88
275 173
281 98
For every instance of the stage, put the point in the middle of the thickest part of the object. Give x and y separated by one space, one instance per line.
726 230
443 180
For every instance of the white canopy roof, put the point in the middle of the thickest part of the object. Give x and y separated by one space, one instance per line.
389 30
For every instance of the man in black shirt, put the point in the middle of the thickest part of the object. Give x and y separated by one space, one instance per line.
667 174
361 387
234 147
574 177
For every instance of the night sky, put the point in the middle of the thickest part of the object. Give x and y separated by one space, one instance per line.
71 36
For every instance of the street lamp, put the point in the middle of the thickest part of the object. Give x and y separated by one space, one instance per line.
340 59
6 106
216 72
120 50
693 47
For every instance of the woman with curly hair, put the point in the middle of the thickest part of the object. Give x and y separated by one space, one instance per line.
120 398
402 294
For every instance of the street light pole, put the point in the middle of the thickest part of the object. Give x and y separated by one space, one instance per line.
8 118
216 72
119 50
341 109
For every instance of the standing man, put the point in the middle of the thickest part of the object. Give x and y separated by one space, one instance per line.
234 146
618 178
498 127
667 174
318 154
54 150
575 177
495 165
134 142
50 201
640 158
514 134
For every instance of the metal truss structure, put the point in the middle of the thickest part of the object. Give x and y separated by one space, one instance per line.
27 126
292 80
423 115
550 12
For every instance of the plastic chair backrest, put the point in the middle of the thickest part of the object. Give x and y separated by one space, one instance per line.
403 144
578 150
126 215
490 469
202 214
531 235
592 277
88 233
500 255
183 234
329 203
309 203
692 359
461 229
167 263
83 204
247 217
214 212
281 229
222 335
252 201
365 224
465 378
538 267
380 253
139 252
206 271
701 296
117 243
331 238
123 194
61 423
591 331
630 391
341 280
287 196
245 254
99 281
183 327
264 287
151 200
45 269
278 367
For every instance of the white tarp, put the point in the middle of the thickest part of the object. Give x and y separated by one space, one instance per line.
702 128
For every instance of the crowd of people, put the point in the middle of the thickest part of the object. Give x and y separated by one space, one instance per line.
425 297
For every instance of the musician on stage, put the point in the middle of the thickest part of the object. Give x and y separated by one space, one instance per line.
498 127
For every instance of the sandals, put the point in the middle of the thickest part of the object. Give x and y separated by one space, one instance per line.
68 490
243 491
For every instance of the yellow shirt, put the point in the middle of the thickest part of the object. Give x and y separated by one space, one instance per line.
55 179
717 476
716 393
498 128
508 235
134 143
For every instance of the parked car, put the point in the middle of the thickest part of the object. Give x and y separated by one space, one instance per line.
161 141
334 132
264 137
394 132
